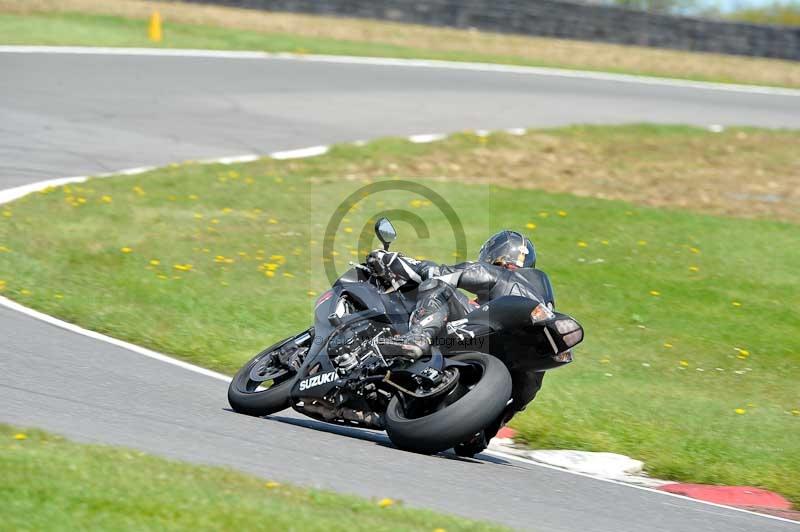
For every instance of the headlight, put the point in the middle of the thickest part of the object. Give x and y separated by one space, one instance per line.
573 338
567 326
541 313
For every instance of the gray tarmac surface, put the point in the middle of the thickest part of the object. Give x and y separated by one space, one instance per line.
71 115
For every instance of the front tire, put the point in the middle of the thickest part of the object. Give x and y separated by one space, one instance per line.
251 397
458 421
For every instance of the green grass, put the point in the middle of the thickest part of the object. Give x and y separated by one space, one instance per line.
49 483
90 29
660 377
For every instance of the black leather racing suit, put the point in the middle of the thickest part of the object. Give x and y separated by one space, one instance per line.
439 301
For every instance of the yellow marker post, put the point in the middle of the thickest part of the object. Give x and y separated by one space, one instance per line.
154 31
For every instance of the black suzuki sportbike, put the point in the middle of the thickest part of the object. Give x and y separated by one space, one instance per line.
335 372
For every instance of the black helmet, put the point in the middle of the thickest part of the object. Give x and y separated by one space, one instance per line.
508 247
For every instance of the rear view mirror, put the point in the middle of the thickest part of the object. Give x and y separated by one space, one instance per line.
385 232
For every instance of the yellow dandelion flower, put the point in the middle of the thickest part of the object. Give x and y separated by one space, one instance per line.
642 242
139 191
183 267
126 249
796 412
219 258
214 221
604 361
272 485
736 304
106 199
439 530
242 253
272 221
311 293
288 275
233 174
530 225
271 266
604 242
25 292
227 210
162 276
544 214
198 216
667 345
683 363
4 249
694 269
193 196
655 293
20 436
562 213
269 273
694 250
154 262
740 411
582 244
278 258
348 229
743 352
7 214
385 502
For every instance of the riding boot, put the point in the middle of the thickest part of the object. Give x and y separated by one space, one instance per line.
415 344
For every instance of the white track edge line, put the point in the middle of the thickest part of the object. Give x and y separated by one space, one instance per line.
7 303
411 63
11 194
509 456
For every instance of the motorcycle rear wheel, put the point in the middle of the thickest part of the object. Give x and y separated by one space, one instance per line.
484 400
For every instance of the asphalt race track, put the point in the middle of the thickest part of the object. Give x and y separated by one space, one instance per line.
65 115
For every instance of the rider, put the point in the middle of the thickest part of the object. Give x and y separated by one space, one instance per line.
506 266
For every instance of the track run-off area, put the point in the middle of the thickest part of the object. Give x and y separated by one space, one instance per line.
71 112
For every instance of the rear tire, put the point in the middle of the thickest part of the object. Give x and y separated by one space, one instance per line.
456 422
243 396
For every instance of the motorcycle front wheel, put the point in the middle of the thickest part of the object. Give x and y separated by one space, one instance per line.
481 396
261 387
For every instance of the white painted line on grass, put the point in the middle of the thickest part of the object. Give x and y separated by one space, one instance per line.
407 63
233 160
133 171
312 151
11 194
424 139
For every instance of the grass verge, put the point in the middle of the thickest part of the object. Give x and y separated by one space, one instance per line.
123 23
691 357
49 483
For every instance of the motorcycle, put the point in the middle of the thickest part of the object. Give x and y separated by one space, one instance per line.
335 371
